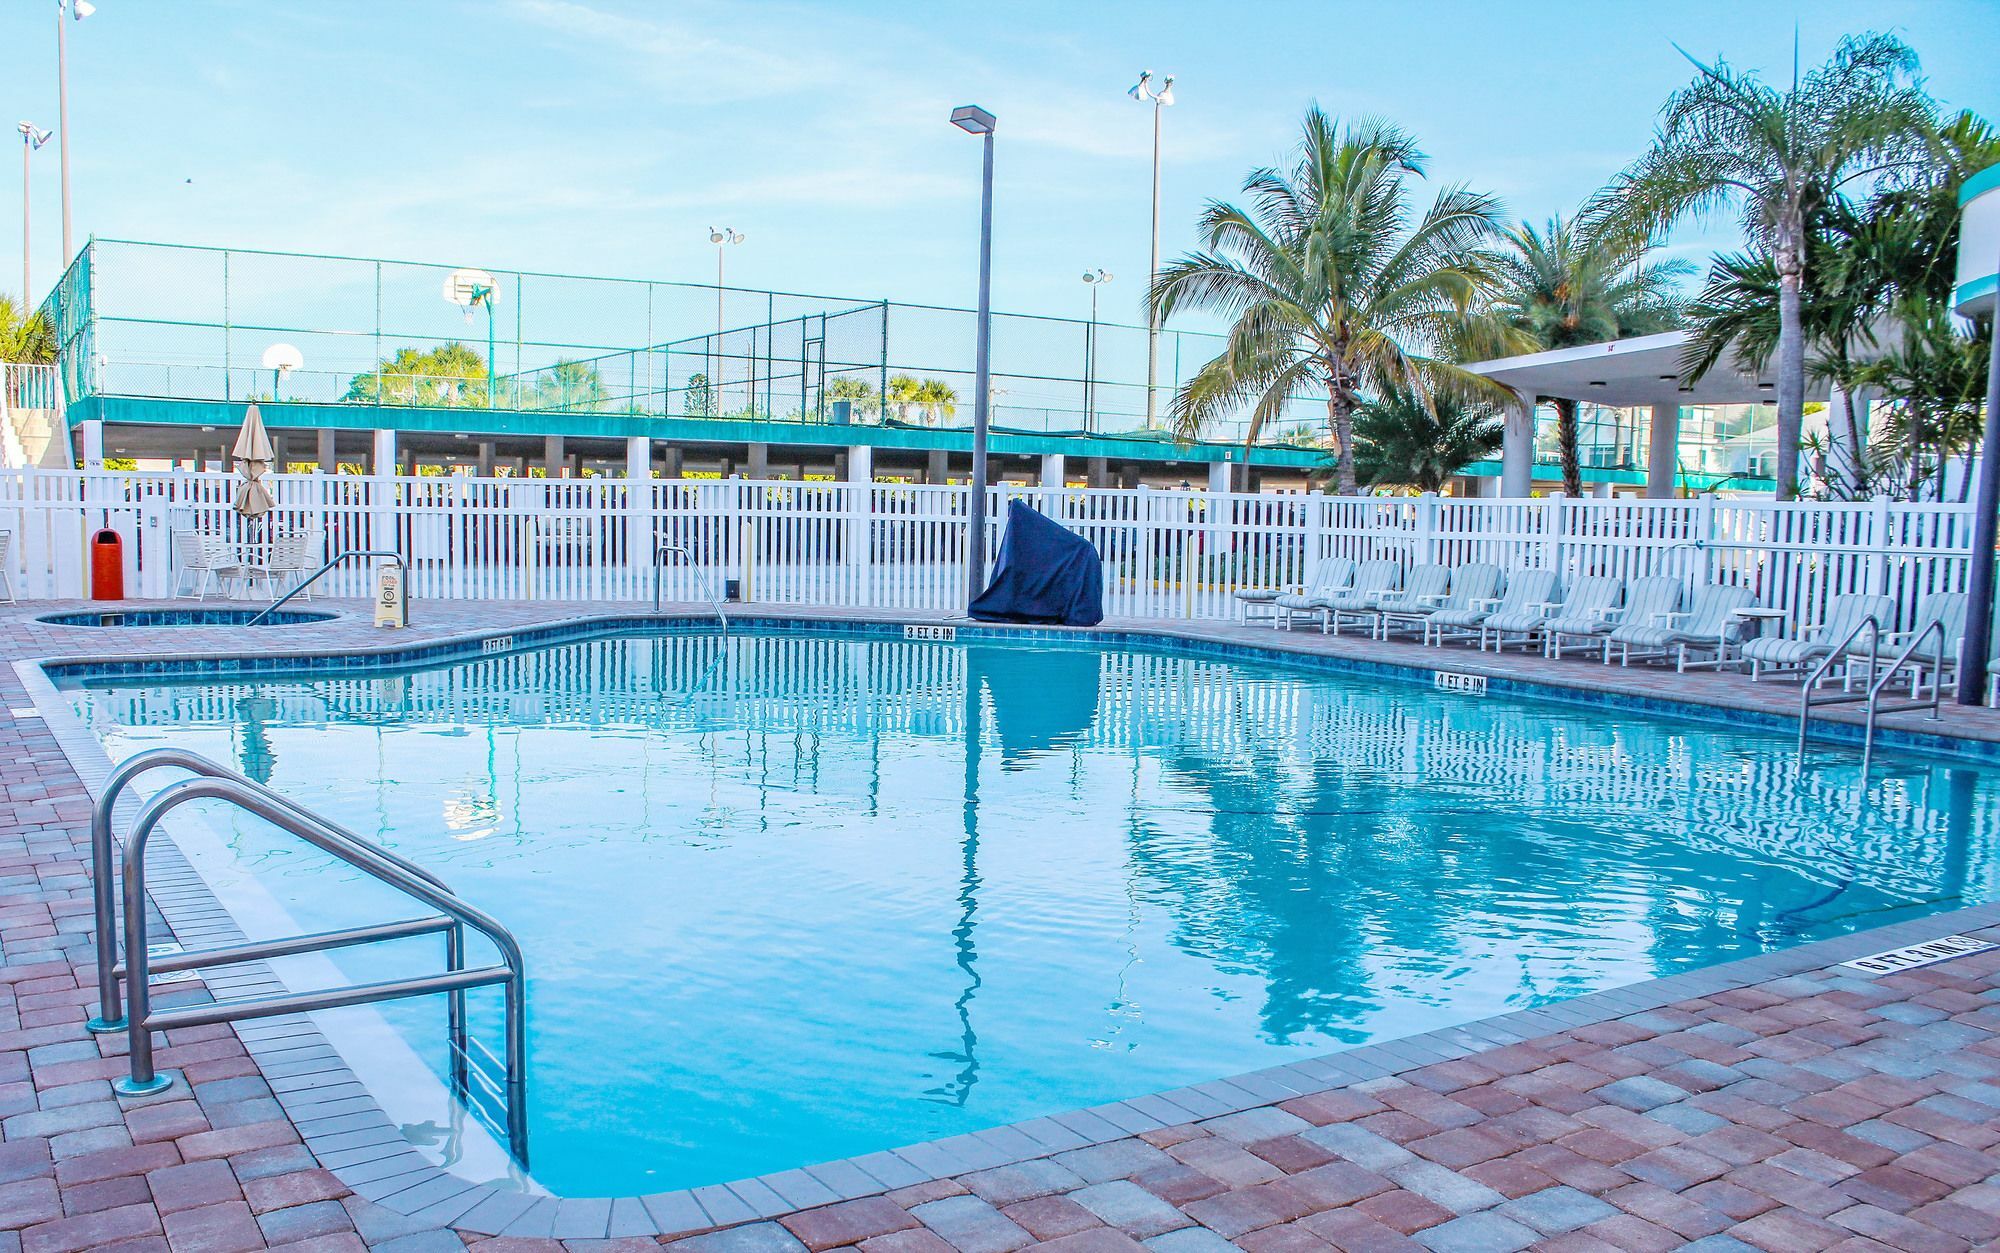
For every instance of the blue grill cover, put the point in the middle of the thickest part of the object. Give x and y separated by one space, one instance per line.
1044 574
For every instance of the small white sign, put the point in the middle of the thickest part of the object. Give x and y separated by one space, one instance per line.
1911 956
498 644
1449 681
391 610
948 634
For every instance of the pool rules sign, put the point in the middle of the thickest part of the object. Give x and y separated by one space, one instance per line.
392 607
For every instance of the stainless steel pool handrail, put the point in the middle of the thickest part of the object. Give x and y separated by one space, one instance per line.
337 558
141 1020
1873 626
662 546
1878 682
110 1015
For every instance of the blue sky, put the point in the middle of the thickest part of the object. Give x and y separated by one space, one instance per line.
606 136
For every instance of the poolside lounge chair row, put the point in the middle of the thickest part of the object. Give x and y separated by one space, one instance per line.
1651 618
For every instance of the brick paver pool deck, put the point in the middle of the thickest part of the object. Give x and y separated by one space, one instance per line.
1780 1103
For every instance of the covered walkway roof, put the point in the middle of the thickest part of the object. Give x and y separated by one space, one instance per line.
1628 373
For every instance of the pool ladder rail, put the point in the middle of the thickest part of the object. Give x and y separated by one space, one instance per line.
394 557
138 1019
662 548
1879 679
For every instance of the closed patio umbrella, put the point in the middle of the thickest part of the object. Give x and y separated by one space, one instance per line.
253 456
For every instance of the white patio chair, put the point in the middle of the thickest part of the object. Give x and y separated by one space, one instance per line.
1330 579
1945 610
1372 581
197 558
1425 590
7 564
1590 610
1532 599
1652 606
1710 625
293 556
1475 588
1844 613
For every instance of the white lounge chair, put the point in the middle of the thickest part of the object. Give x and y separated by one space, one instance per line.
7 563
1329 579
1710 626
1475 590
1372 581
1664 633
1943 610
1844 614
1530 600
1590 610
1424 590
1649 604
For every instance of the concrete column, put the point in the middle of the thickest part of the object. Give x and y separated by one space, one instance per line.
1221 476
861 463
937 467
759 462
487 449
1663 452
552 456
382 494
329 462
1099 472
671 461
638 457
1054 471
91 443
640 503
1517 454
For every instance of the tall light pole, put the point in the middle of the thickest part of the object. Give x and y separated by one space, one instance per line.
1096 278
32 138
722 239
1143 91
75 10
974 120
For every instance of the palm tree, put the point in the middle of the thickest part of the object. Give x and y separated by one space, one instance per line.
1408 440
937 398
903 391
1331 288
1886 263
1728 138
1567 285
25 335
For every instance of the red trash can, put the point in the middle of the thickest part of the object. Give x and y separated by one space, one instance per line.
107 565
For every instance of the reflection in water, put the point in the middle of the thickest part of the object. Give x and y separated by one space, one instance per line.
751 920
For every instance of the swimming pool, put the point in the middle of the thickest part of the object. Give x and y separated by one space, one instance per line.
794 896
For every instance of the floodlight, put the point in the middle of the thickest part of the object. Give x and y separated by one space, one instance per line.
80 9
972 119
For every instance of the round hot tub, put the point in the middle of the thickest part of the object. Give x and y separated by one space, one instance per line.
180 617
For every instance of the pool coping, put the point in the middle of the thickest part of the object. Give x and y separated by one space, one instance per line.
345 1127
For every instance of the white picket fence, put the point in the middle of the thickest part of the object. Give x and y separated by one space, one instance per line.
1167 554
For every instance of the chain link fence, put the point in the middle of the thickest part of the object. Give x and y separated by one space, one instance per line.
194 323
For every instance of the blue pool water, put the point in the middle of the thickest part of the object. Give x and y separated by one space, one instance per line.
793 897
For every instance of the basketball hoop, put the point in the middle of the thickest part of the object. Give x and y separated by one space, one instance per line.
469 289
